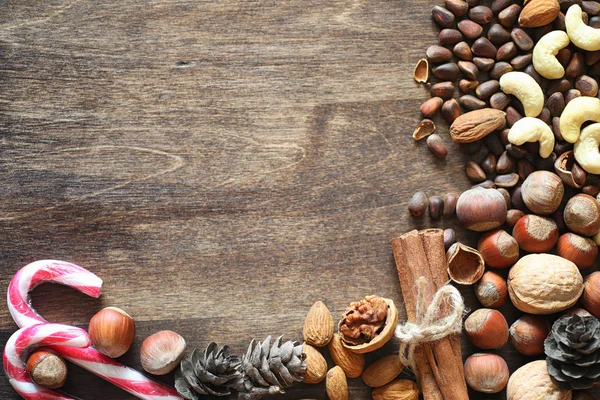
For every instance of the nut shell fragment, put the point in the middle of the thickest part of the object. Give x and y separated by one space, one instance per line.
425 128
421 72
465 264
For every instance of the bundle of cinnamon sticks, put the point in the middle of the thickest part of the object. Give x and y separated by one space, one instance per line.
439 365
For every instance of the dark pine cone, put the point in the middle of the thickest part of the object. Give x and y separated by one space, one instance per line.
573 351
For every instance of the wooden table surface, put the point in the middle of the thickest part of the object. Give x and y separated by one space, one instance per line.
221 165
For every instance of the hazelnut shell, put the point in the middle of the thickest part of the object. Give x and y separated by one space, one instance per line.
465 265
391 320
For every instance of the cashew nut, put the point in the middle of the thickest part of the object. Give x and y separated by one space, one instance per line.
532 130
583 36
526 89
544 54
587 152
577 111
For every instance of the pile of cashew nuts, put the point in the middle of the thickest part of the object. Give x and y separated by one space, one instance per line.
576 113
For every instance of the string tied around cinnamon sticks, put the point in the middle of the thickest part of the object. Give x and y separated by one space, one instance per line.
428 327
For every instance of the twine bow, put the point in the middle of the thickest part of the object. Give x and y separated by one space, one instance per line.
428 327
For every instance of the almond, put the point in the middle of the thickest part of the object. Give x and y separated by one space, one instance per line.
352 363
400 389
382 371
336 384
316 366
477 124
318 325
538 13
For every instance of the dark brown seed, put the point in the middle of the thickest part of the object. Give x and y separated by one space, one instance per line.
562 147
559 218
436 207
546 164
522 61
576 65
515 152
445 90
450 37
463 51
538 33
484 48
507 180
506 196
594 22
531 147
488 184
529 70
587 85
594 70
438 54
474 172
471 102
444 18
556 104
585 18
457 7
559 85
592 189
503 135
565 4
449 238
499 101
499 5
446 72
431 107
517 200
418 204
524 168
492 142
488 164
468 69
508 17
564 56
571 94
505 163
590 7
512 216
545 115
466 86
450 200
556 130
506 52
481 14
484 64
470 30
521 39
472 3
436 146
512 115
486 89
498 34
470 148
499 69
579 174
450 110
592 57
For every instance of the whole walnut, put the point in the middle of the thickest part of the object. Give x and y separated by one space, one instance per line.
532 382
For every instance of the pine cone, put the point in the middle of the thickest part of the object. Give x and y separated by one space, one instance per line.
270 369
573 351
209 372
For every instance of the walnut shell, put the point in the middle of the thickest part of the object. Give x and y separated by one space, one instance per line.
382 338
532 382
544 284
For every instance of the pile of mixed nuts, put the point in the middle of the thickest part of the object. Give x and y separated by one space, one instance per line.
527 115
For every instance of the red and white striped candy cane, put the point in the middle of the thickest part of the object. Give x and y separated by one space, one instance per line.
20 345
19 304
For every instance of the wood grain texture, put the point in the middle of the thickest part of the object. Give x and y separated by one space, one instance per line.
220 164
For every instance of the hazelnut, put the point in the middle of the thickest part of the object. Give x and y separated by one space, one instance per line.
491 290
527 334
542 192
487 328
582 215
498 249
161 352
112 331
580 250
591 294
480 209
512 216
486 373
47 369
536 234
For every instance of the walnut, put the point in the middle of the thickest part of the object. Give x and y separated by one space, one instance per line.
532 382
363 320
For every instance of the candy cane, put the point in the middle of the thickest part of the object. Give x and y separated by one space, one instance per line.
19 304
20 345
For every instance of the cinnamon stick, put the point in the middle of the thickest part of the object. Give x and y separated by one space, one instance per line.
439 364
